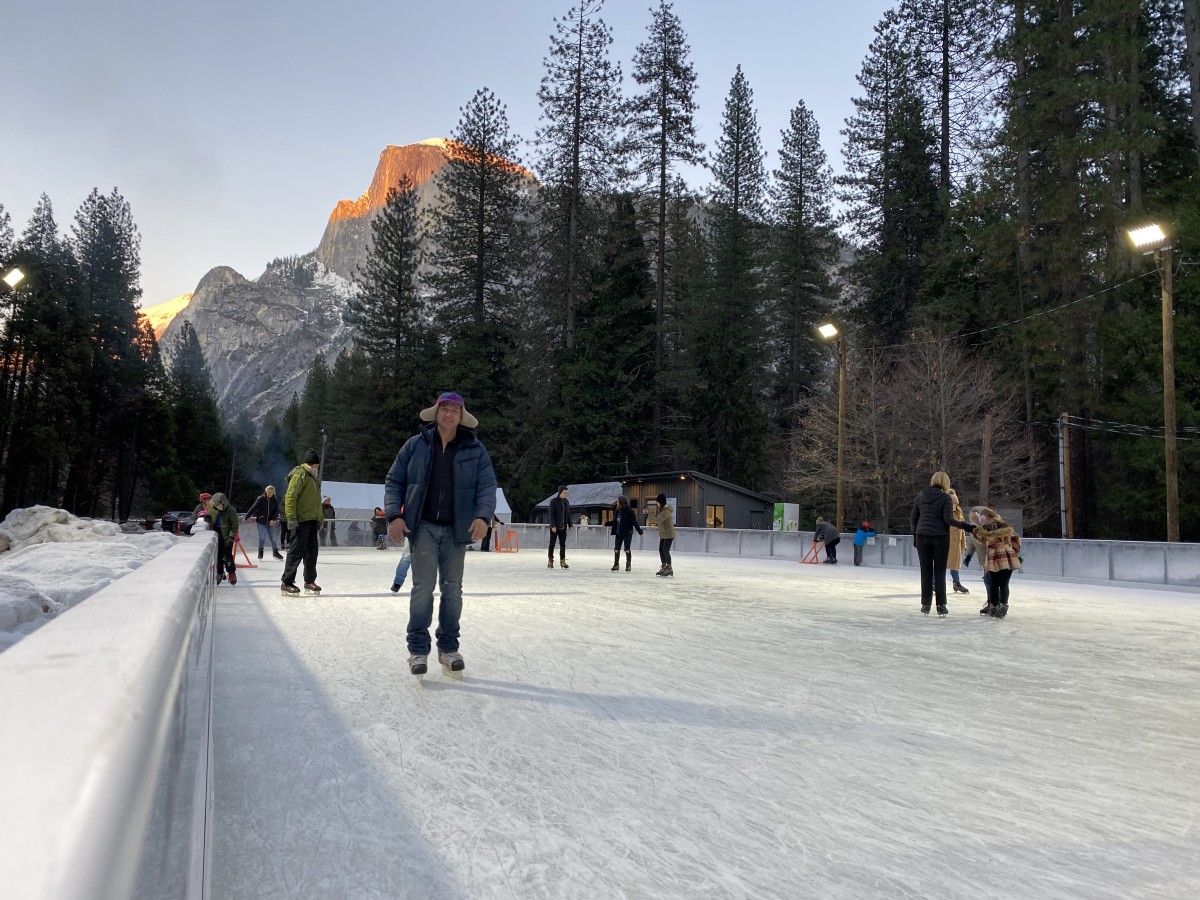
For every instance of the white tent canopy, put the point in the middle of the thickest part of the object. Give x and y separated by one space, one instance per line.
357 500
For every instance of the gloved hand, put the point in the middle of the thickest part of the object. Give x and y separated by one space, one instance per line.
967 560
293 524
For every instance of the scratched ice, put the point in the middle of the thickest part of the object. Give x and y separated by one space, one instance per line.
749 729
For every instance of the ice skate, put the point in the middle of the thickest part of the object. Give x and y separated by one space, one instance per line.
417 664
925 608
260 550
960 589
311 587
616 561
233 577
1001 611
550 563
289 590
452 663
662 570
277 554
942 610
562 564
628 560
988 610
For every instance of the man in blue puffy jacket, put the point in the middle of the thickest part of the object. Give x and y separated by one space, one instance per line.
441 494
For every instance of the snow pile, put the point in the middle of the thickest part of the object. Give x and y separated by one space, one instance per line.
56 560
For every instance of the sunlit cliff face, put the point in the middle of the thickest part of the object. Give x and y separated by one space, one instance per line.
160 315
420 162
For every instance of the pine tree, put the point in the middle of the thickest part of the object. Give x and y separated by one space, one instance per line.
661 138
580 97
805 251
606 388
198 435
476 264
316 406
45 360
890 186
727 336
392 314
106 243
957 77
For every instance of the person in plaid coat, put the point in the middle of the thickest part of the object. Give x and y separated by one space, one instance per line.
1003 557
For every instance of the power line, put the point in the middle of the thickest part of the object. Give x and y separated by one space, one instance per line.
1035 315
1129 429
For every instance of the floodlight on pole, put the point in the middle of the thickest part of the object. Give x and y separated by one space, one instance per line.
1152 239
13 278
829 331
1148 238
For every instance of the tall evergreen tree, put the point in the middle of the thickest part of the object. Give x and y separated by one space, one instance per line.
580 97
607 388
477 262
890 186
728 337
957 79
392 315
198 435
661 138
46 358
805 252
106 244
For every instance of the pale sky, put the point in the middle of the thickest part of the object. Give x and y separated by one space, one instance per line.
233 128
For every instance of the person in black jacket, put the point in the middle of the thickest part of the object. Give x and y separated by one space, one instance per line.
623 523
932 518
330 525
560 521
265 512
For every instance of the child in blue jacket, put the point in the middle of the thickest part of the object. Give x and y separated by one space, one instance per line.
860 539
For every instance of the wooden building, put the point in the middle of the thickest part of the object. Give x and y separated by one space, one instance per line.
699 500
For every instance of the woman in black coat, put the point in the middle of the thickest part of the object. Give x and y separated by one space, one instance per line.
623 523
932 518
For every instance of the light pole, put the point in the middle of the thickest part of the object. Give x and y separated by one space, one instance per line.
830 331
1151 239
14 277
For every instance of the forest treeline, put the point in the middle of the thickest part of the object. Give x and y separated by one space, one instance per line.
607 316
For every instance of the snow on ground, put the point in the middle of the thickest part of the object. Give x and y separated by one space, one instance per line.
55 560
749 729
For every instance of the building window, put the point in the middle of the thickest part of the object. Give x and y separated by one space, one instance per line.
714 516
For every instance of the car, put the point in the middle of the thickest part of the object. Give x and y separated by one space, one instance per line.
180 522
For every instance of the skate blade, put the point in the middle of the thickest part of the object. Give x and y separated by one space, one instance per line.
450 673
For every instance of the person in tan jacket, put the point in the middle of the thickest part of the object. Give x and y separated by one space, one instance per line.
664 519
958 546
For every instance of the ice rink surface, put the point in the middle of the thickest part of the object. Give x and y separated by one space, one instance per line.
748 729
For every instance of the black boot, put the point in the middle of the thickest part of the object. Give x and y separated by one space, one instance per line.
260 550
616 561
628 560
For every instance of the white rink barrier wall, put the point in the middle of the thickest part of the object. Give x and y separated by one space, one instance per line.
1143 562
105 750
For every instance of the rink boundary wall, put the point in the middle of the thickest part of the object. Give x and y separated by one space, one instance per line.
1142 562
105 753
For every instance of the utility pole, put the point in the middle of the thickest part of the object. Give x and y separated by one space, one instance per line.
1064 474
1170 453
841 460
322 468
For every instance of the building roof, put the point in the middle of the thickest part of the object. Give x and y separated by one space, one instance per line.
600 493
699 476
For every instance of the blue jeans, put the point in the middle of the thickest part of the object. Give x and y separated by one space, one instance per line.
266 531
435 559
402 569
